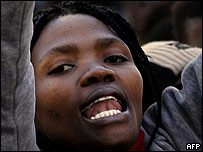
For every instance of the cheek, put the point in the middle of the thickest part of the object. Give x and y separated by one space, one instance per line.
53 99
133 82
134 86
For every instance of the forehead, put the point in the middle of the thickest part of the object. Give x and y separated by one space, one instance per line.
77 28
71 26
72 22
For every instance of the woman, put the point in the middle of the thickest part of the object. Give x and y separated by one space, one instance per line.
91 77
88 66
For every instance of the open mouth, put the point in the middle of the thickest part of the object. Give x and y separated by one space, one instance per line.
104 106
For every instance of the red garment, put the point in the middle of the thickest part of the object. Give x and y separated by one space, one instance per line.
139 144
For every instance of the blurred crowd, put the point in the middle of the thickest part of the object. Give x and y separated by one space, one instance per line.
157 20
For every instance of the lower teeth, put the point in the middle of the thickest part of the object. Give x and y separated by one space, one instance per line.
106 114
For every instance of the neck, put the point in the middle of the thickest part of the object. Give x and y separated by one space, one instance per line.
139 144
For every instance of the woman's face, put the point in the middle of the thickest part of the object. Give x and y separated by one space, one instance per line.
88 89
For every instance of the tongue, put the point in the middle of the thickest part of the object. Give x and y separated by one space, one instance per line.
102 106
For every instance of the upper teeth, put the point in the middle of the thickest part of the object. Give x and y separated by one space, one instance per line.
106 114
100 99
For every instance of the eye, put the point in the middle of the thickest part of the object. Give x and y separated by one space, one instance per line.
61 69
115 59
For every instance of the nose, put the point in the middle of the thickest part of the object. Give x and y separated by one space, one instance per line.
97 74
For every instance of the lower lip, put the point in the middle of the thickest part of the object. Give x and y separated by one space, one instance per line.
110 119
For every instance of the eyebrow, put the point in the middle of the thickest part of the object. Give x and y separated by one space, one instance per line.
105 42
70 48
64 49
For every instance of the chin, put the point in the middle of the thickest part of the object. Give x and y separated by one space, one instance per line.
113 141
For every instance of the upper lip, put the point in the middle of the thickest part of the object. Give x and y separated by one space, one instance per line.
105 91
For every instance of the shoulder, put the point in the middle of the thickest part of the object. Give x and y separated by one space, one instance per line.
181 112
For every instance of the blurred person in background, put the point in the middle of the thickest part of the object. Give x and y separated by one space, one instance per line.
137 13
187 22
150 19
173 37
158 23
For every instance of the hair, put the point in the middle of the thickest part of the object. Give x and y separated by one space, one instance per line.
181 11
120 26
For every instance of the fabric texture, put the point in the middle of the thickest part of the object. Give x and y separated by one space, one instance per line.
172 55
181 113
17 77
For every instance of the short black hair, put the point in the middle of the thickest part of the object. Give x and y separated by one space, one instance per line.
122 28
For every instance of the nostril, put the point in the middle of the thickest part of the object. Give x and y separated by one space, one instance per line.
92 80
108 77
97 74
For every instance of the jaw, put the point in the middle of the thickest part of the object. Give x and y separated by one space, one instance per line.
79 132
119 130
107 133
116 131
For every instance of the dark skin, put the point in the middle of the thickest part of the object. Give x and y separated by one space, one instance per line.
78 59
